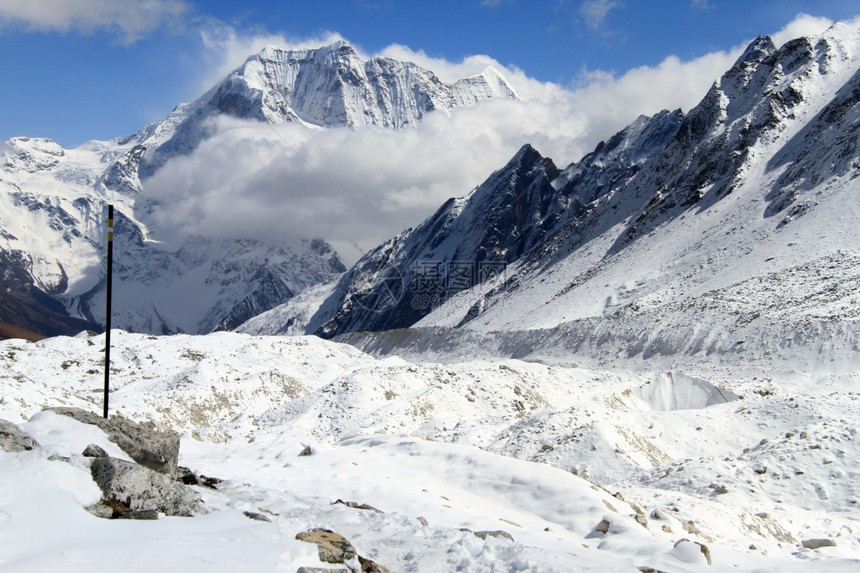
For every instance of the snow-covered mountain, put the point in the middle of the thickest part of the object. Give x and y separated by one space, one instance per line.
332 86
53 200
683 233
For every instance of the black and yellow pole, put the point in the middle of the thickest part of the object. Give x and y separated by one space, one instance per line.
108 289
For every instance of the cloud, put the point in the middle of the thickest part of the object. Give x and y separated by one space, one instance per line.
801 25
596 11
362 187
131 19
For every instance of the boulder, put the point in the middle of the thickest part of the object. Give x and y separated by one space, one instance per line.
94 451
334 548
137 488
497 533
13 439
817 543
144 443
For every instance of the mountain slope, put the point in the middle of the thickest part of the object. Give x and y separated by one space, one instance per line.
670 238
464 243
736 241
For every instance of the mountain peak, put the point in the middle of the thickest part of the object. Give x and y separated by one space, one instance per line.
757 51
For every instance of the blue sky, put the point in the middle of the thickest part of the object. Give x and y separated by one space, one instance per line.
75 70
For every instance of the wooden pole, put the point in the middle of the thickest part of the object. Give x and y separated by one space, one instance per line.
108 289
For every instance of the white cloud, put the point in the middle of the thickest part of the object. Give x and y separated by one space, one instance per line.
801 25
596 11
132 19
365 186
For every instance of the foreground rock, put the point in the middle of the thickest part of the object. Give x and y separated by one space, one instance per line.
129 488
334 548
13 439
147 445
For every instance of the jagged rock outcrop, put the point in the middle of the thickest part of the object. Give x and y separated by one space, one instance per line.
156 449
130 487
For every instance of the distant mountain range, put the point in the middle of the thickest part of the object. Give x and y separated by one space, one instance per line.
53 200
683 232
732 227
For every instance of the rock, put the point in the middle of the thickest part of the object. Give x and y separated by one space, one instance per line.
256 516
140 488
603 526
188 477
144 443
13 439
369 566
185 475
144 514
306 451
817 543
94 451
100 510
497 533
356 505
332 547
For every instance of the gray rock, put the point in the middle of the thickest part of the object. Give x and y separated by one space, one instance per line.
101 510
13 439
603 526
144 443
256 516
140 488
357 505
497 533
94 451
817 543
144 514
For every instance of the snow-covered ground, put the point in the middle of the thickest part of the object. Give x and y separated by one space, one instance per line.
749 466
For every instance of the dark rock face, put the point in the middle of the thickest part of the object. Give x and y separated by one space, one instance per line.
24 305
464 244
12 439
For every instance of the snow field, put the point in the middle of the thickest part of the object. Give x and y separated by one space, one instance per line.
748 467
